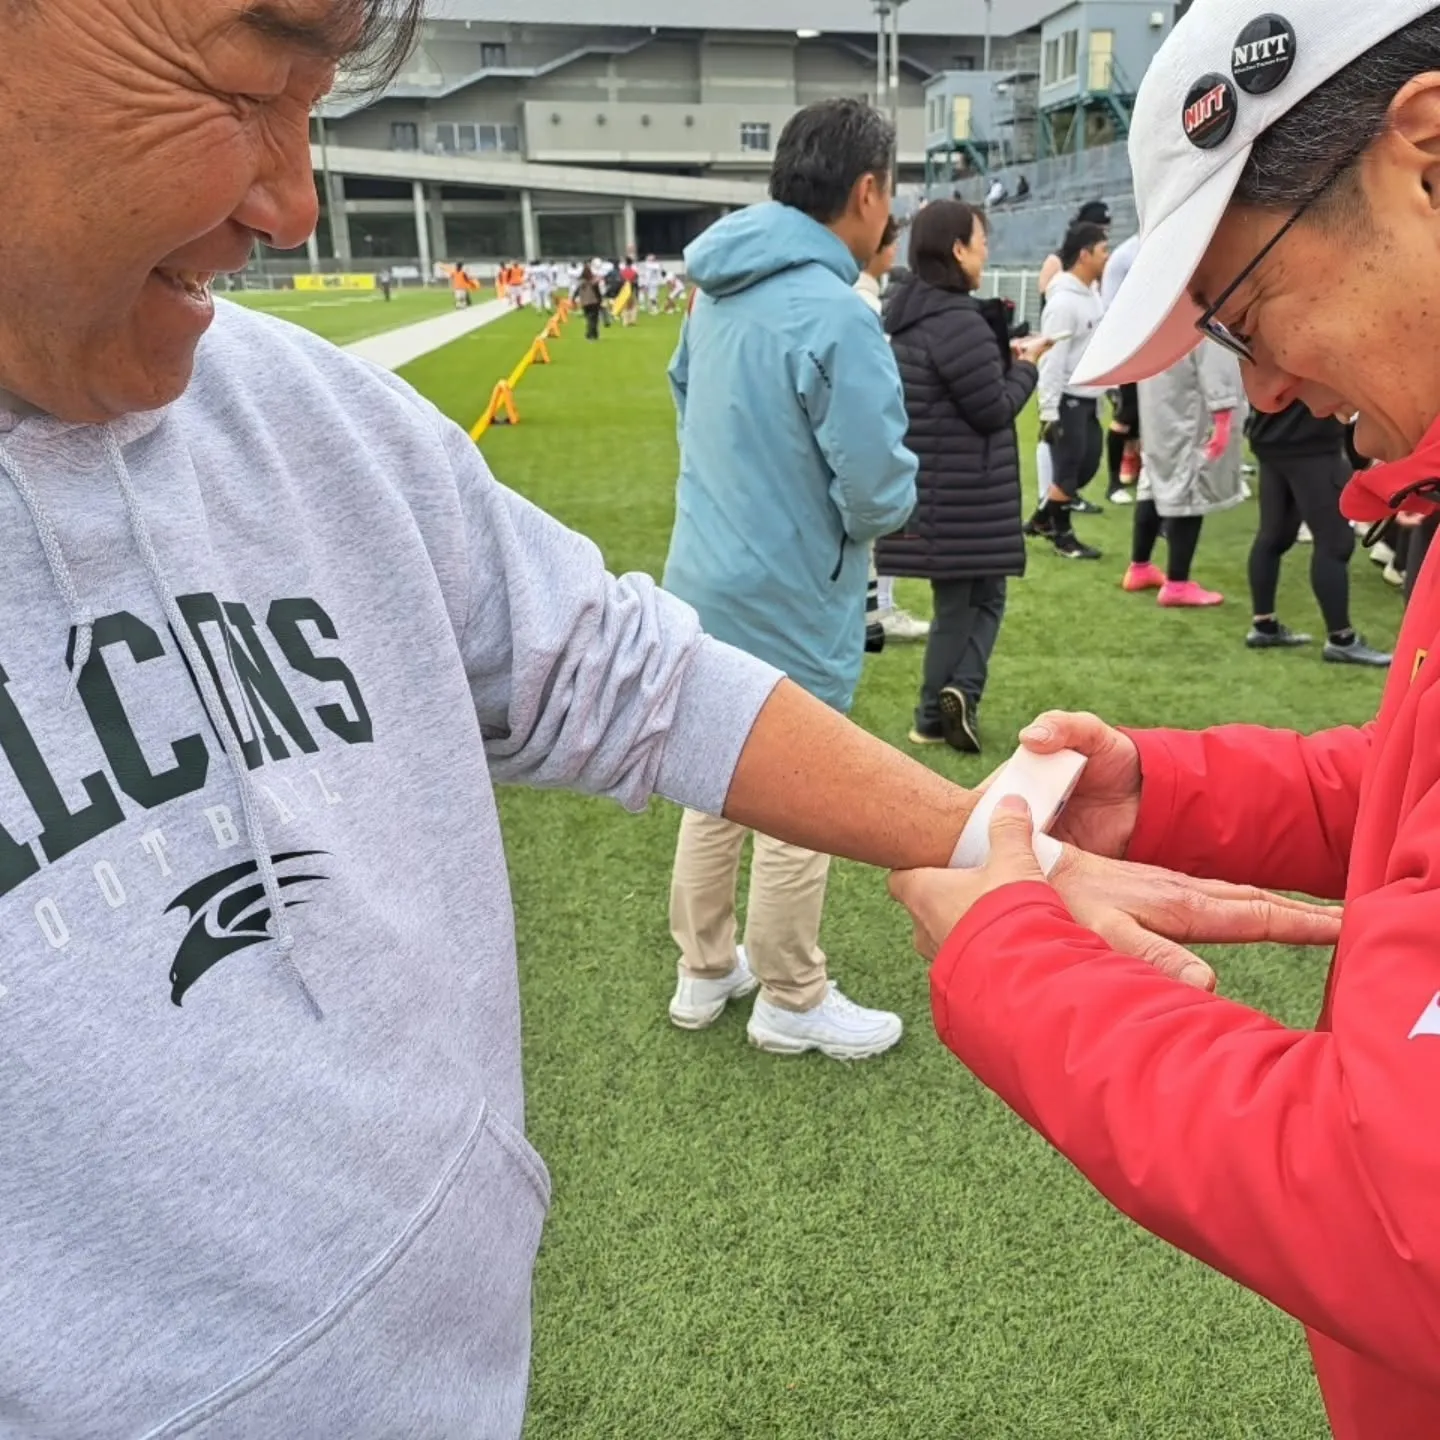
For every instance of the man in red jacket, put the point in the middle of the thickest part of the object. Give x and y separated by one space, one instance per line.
1288 170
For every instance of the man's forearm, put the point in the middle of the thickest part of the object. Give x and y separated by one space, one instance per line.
809 777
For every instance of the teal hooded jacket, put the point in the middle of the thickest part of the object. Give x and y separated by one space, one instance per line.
792 447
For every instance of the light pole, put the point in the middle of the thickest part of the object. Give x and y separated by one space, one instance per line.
887 59
882 13
329 183
895 64
989 18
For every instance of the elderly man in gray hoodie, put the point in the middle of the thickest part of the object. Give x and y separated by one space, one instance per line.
272 635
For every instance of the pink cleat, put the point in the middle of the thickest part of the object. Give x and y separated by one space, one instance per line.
1187 595
1143 577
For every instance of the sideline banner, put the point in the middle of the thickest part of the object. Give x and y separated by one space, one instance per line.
335 282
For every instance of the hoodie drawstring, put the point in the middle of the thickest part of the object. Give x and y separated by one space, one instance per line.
80 617
1421 489
84 621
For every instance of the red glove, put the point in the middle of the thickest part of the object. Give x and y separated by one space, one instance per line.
1220 440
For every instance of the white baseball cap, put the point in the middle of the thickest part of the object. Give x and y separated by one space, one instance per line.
1226 74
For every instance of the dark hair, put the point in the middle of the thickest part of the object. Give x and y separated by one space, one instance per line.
1325 135
824 150
1094 212
1080 239
938 229
382 35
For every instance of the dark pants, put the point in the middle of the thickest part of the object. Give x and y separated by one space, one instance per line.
1082 445
1304 489
592 322
962 639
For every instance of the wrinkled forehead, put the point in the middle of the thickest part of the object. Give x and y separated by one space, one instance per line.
328 29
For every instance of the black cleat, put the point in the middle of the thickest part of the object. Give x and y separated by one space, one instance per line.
1279 639
1357 652
1080 506
957 721
1069 546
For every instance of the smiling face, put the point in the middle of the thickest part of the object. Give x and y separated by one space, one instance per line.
147 145
1343 313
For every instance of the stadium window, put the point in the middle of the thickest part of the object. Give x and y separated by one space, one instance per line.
755 135
404 135
445 139
1052 62
510 139
1102 60
489 139
1070 55
492 57
960 118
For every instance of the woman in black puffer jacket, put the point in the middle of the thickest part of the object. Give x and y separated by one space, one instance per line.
963 390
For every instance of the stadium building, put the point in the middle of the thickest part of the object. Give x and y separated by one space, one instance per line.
524 127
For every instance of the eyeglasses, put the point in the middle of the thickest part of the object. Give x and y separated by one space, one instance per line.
1242 345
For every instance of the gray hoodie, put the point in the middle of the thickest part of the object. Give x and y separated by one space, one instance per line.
1074 311
262 1164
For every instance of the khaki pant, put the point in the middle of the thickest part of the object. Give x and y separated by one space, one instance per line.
782 926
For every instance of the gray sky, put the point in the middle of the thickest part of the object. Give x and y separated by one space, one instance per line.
923 17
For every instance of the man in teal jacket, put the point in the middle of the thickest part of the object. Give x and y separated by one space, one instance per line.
793 461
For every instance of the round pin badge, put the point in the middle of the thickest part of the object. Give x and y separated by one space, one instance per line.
1264 55
1209 114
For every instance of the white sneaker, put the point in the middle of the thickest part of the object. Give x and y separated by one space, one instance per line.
901 625
698 1004
836 1027
1306 536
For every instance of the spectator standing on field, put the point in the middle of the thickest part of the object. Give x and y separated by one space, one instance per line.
612 287
793 462
1304 469
963 390
587 297
1193 418
1069 413
460 283
1094 212
630 274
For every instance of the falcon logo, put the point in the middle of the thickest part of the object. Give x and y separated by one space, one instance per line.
229 913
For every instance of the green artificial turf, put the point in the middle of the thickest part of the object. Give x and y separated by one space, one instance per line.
744 1246
345 316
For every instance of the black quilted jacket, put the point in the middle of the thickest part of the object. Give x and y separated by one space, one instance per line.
962 393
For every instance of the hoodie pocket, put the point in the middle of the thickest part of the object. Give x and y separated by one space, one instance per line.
432 1339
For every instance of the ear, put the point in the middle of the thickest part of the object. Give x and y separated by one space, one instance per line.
1414 136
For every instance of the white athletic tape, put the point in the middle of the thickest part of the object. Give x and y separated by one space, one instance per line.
1045 782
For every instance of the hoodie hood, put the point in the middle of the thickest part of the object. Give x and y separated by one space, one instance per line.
752 245
917 300
1407 486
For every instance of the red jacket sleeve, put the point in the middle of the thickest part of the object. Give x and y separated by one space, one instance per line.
1256 806
1301 1164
